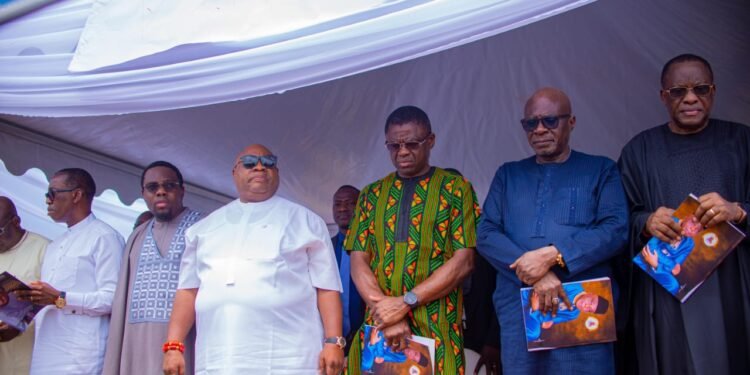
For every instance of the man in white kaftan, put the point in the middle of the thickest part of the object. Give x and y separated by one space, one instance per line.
79 275
261 279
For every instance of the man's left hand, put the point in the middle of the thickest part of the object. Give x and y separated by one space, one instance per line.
490 359
532 265
331 360
714 209
7 332
41 294
387 311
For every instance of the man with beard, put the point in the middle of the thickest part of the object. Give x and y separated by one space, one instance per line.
344 201
691 153
259 279
148 277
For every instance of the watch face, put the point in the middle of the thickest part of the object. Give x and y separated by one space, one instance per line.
410 298
60 303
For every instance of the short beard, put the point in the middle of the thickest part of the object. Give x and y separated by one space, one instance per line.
166 216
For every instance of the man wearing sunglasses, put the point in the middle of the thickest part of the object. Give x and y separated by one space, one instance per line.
148 277
691 153
418 224
555 217
21 253
78 280
259 279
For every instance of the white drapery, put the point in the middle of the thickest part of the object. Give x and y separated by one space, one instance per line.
186 70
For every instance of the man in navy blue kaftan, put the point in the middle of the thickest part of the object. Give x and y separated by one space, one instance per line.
558 216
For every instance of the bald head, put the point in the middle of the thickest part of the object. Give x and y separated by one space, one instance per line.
10 225
6 208
256 175
549 94
548 122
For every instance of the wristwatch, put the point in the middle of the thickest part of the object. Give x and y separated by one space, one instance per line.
60 301
338 340
411 299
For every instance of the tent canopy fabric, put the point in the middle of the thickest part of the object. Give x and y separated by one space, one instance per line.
606 55
166 55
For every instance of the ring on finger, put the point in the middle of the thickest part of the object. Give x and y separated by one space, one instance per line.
712 212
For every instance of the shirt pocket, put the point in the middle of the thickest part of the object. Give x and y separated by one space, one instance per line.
574 206
67 273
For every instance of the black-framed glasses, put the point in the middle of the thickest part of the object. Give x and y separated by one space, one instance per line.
549 122
169 186
679 92
250 161
51 193
2 229
410 145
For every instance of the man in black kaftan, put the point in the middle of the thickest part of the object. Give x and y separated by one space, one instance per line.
710 332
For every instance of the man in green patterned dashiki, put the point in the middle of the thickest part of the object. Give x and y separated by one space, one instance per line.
412 243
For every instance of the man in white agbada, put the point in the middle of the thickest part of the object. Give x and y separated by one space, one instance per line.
79 275
260 280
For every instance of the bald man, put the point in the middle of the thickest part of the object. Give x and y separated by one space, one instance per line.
555 217
21 254
260 280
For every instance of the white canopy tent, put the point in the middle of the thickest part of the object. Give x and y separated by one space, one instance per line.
327 130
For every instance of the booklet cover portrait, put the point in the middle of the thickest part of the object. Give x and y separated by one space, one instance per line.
377 358
15 313
589 319
681 266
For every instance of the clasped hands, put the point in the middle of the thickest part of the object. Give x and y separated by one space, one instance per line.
533 268
389 315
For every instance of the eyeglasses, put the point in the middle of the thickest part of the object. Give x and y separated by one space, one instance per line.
549 122
2 229
680 92
51 193
411 146
153 187
250 161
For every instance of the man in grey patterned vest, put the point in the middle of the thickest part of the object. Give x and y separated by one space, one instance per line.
148 277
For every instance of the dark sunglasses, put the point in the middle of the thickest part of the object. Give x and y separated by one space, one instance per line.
153 187
549 122
411 146
250 161
51 193
2 229
680 92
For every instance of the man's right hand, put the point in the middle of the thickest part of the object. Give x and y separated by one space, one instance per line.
7 332
396 335
550 291
174 363
661 225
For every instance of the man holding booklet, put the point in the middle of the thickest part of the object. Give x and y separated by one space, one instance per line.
555 217
690 154
21 253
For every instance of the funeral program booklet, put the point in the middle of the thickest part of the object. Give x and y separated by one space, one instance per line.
15 313
589 319
681 266
377 357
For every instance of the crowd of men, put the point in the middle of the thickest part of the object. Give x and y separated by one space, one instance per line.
259 286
